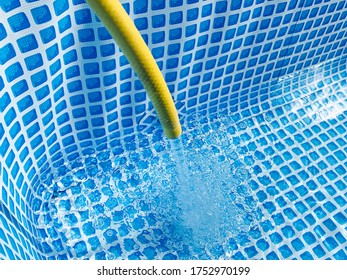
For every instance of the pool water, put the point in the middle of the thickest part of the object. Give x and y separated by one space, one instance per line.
266 182
130 201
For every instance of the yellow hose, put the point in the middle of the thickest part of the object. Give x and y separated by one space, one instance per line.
128 38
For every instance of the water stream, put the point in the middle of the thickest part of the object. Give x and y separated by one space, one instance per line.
208 193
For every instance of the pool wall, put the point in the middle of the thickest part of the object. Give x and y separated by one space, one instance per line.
66 88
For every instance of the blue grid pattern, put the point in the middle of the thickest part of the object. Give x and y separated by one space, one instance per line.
295 148
65 87
300 178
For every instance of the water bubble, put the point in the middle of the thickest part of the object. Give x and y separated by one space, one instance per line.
242 125
242 173
268 118
109 232
110 256
98 224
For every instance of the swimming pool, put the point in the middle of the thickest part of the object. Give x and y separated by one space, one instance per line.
259 172
266 182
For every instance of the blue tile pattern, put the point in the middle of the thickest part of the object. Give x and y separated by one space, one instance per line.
66 88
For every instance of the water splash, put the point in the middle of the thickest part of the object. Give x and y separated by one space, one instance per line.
209 198
177 151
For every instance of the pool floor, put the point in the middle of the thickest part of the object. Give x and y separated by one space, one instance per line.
265 182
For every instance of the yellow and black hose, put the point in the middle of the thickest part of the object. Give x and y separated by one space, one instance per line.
128 38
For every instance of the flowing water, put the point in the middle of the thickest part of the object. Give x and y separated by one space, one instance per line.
210 194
